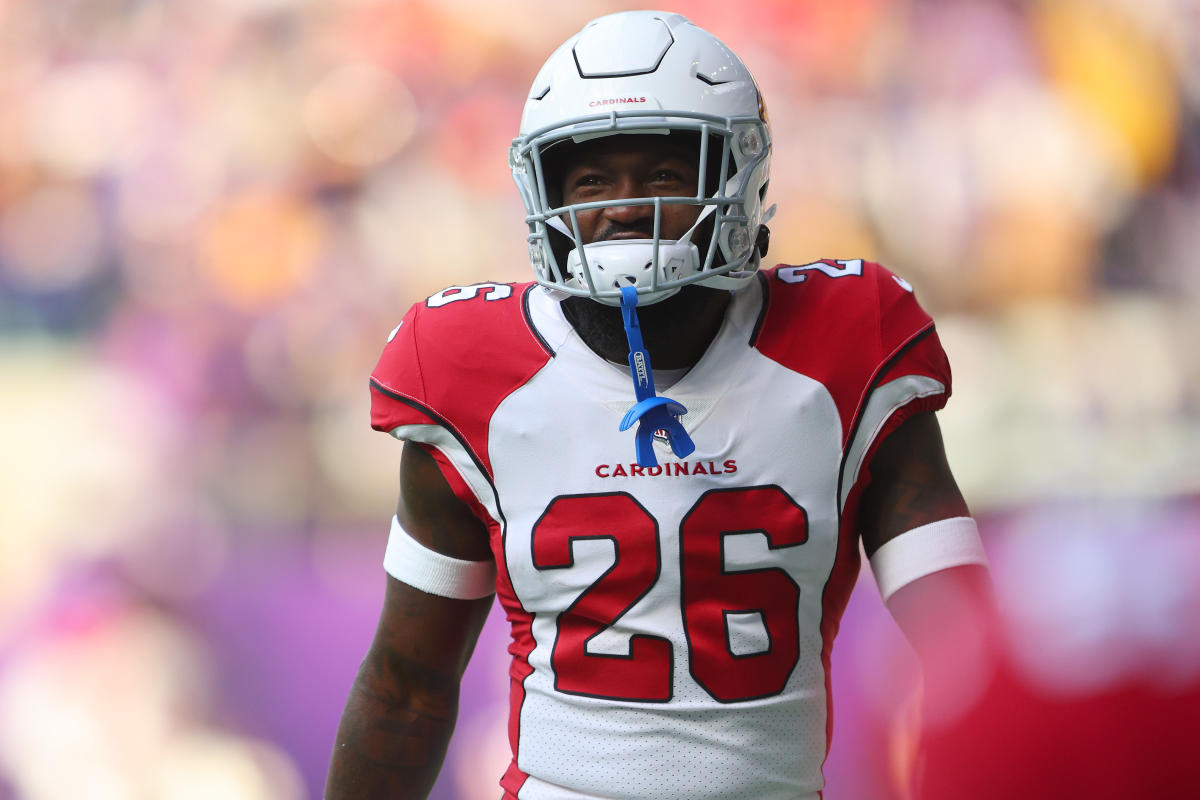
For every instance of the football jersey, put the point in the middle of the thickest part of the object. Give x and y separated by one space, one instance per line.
671 625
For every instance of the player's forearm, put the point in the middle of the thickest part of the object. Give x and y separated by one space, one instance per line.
949 618
390 744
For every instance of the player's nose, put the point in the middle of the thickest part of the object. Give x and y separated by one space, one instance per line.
624 188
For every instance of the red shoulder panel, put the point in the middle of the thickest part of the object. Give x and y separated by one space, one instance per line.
850 325
454 358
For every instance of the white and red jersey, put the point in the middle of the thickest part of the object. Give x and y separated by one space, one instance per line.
672 625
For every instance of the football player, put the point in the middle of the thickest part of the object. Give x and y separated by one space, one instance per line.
660 458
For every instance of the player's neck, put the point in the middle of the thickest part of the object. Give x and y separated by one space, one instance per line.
676 331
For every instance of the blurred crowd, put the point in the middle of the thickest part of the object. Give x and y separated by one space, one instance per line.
213 211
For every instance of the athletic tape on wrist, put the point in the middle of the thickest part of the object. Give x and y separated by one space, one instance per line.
411 562
924 550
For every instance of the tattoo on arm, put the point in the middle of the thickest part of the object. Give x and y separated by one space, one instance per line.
918 498
403 704
395 730
404 701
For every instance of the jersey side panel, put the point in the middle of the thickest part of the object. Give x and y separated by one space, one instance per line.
521 644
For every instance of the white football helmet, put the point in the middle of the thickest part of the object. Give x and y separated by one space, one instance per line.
647 72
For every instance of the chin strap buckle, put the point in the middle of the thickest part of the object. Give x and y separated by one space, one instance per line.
652 413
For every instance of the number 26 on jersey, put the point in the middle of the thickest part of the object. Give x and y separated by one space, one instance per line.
712 598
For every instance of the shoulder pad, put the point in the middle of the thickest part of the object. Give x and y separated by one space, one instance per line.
850 324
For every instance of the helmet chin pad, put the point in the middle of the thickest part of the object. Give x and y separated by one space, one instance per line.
605 267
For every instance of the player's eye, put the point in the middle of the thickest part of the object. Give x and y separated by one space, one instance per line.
587 186
586 181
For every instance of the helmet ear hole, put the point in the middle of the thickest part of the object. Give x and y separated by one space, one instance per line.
554 160
762 240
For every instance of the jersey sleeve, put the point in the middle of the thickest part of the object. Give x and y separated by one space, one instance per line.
398 396
408 407
858 330
910 350
912 372
446 367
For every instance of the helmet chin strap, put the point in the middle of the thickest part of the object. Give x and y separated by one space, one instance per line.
560 226
651 413
704 214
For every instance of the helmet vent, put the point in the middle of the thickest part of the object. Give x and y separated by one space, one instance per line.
700 76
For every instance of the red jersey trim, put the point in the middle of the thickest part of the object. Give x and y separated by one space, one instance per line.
522 645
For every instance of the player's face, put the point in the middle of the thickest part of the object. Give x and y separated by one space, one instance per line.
619 167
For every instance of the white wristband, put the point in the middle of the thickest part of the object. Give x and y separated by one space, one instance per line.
411 562
922 551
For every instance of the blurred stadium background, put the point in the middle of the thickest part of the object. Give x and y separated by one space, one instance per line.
213 211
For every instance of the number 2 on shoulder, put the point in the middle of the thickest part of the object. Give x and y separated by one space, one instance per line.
844 268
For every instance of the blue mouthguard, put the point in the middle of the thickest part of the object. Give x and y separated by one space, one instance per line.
652 413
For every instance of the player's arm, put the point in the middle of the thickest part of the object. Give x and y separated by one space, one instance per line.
404 701
917 530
